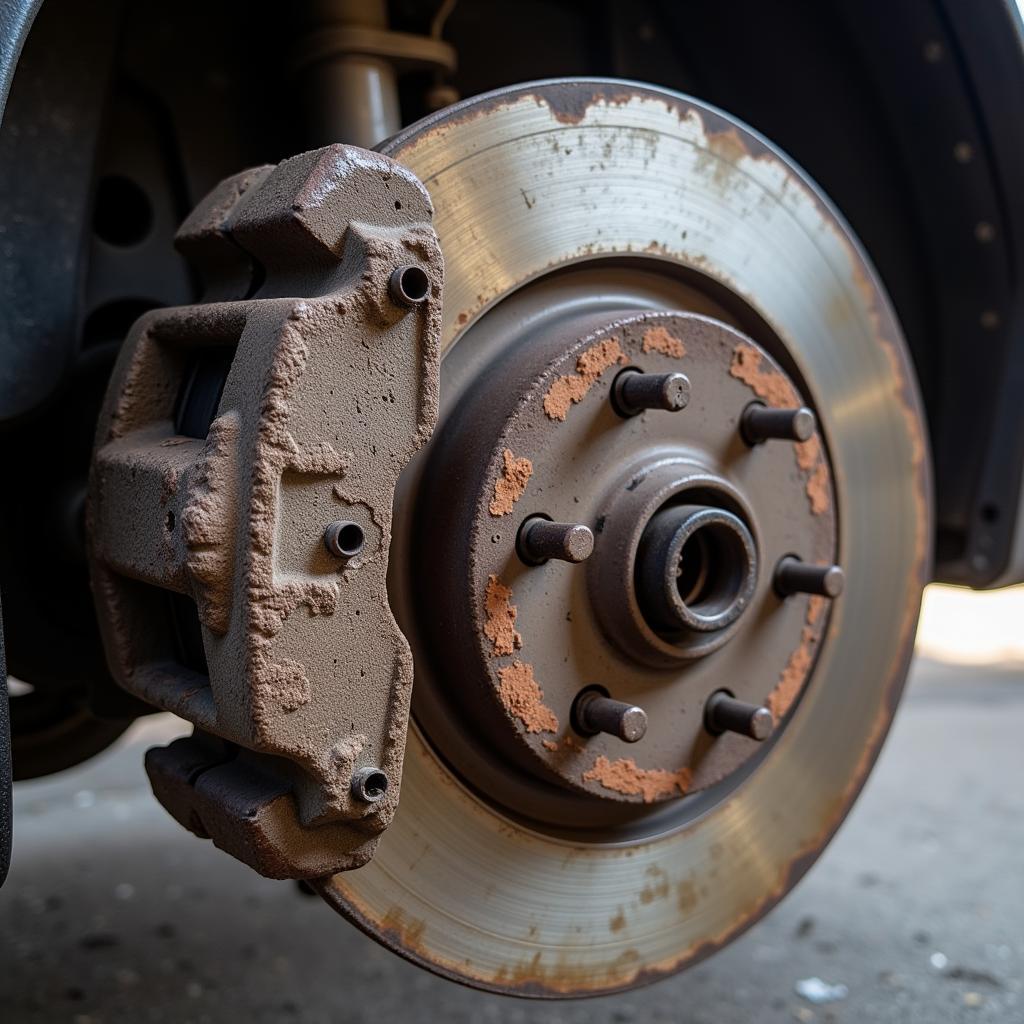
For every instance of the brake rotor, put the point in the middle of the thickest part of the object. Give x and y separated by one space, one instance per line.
592 230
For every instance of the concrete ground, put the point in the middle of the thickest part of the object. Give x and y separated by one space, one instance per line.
112 913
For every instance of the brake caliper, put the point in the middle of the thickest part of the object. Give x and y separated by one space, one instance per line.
241 498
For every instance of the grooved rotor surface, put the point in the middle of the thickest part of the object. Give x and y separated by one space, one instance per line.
564 190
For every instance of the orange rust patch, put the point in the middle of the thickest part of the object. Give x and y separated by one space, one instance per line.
687 898
570 389
406 934
917 458
768 384
728 145
500 621
657 339
818 491
775 390
511 483
551 745
623 776
524 699
780 700
618 922
659 890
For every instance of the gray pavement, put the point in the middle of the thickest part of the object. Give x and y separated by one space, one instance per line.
112 913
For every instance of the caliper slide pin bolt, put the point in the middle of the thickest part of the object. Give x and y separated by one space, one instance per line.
540 539
369 785
723 713
792 576
759 423
594 713
633 391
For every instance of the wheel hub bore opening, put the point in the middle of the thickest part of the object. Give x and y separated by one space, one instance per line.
712 567
696 569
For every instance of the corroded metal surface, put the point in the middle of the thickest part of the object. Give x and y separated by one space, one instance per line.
525 639
331 389
686 210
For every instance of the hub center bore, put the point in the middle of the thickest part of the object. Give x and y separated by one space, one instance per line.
696 569
607 571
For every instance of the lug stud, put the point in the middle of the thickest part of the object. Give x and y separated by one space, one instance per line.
540 539
593 712
344 539
759 423
369 785
792 576
633 391
723 713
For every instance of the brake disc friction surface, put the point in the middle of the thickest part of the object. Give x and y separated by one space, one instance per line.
557 178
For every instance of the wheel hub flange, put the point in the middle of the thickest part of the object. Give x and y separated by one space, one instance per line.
675 602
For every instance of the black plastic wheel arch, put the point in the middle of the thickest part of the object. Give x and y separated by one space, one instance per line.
6 811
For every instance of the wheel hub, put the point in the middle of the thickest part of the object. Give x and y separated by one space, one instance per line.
687 520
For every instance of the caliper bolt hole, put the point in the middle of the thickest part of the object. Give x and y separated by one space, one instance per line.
344 539
409 285
369 785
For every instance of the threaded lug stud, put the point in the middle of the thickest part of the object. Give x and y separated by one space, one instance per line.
540 540
759 423
723 713
792 576
634 391
593 712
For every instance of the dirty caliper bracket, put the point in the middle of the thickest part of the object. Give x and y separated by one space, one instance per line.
323 297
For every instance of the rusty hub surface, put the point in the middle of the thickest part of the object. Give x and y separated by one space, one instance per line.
591 228
674 602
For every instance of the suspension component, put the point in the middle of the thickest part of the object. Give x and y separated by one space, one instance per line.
347 61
